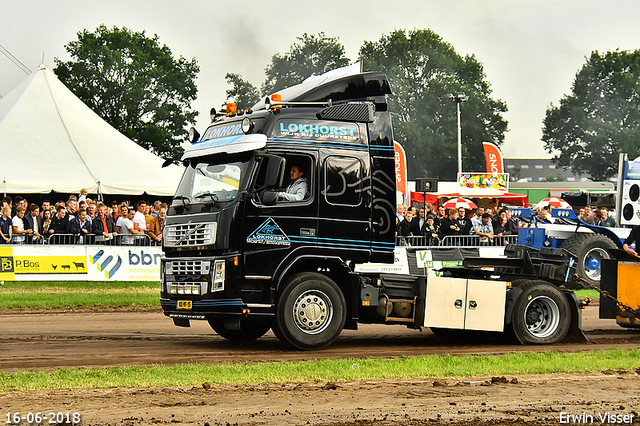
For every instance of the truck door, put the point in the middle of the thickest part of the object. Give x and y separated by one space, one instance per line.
270 233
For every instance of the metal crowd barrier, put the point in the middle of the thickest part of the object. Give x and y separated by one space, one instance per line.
91 239
477 241
456 241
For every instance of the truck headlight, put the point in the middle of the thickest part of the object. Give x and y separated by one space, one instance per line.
247 125
218 275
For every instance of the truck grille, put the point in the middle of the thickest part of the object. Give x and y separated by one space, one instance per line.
191 234
188 267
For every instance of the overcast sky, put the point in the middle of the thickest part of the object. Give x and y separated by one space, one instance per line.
531 49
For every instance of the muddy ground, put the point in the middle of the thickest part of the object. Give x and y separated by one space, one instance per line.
531 400
50 340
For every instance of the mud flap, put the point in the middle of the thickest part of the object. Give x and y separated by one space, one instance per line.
575 334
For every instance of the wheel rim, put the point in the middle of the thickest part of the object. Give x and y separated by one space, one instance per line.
313 311
593 262
542 316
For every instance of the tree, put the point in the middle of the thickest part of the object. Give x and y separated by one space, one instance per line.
134 84
601 117
243 93
309 55
423 71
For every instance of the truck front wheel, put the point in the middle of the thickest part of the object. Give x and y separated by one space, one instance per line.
249 329
310 313
541 314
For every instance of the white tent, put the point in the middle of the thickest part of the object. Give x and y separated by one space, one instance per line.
51 141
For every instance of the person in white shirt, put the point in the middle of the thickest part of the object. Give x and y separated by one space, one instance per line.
18 226
139 220
298 188
127 228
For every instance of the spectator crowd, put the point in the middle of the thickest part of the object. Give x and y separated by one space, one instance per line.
431 226
81 220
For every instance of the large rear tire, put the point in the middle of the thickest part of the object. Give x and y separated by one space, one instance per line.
590 250
250 329
310 313
541 314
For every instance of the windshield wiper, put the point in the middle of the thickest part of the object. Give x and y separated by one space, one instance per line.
206 194
214 198
182 198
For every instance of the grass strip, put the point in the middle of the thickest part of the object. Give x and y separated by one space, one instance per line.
78 294
591 294
429 366
87 294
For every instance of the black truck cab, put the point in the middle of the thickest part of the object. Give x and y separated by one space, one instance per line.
232 246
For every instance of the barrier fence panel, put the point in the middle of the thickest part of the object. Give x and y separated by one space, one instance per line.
456 241
477 241
91 239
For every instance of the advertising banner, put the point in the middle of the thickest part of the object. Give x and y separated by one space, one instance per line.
79 263
483 181
401 169
493 158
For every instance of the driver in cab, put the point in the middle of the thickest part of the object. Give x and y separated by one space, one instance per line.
297 189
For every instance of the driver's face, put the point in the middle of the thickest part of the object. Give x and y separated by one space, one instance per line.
295 173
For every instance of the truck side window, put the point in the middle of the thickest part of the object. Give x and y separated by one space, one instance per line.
343 181
302 163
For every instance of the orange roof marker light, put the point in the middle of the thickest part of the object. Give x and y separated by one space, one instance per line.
275 99
231 109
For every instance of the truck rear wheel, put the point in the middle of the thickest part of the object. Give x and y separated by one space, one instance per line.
310 313
541 314
250 329
591 250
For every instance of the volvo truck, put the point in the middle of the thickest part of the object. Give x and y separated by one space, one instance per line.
242 258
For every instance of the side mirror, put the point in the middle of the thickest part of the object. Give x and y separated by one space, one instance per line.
269 198
275 172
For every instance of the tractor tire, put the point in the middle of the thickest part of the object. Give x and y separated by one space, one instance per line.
250 329
590 250
310 313
541 314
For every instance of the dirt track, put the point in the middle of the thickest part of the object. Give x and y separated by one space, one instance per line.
123 338
35 341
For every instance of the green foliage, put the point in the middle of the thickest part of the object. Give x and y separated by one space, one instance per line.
600 118
554 178
312 54
244 93
134 84
424 70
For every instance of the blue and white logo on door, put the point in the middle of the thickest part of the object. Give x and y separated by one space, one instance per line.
269 233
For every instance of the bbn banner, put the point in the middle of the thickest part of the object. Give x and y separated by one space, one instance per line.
79 263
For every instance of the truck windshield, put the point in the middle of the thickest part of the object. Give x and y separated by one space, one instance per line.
205 182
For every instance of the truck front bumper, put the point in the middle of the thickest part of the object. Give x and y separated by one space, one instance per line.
209 308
